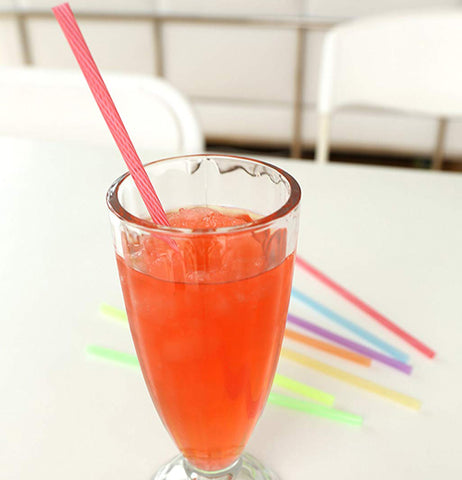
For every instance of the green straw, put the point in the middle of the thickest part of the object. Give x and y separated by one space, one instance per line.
113 312
113 355
314 409
279 380
274 398
303 389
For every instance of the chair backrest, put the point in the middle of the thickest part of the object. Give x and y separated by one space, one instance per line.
404 61
52 104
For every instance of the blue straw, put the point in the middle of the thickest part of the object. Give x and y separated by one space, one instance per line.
349 325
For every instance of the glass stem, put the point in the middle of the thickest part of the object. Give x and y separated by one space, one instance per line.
229 473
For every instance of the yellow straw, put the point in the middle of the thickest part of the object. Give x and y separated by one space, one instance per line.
113 312
351 379
303 389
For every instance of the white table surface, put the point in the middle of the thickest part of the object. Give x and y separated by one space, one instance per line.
393 236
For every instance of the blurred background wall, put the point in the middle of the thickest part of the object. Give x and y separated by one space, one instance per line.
250 67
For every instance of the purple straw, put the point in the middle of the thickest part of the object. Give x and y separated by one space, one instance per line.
356 347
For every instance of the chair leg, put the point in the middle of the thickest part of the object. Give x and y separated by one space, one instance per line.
322 146
437 161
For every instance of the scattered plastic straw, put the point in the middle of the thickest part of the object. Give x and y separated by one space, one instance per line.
351 379
356 347
303 389
113 312
319 410
113 355
279 380
362 351
361 332
387 323
275 398
66 19
328 348
362 356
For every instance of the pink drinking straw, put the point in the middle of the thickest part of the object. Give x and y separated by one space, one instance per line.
66 19
407 337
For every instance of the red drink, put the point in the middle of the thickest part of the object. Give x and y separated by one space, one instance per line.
207 321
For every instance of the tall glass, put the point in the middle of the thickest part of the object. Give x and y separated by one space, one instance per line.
207 308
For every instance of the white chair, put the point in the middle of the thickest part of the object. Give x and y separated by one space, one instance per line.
55 104
407 62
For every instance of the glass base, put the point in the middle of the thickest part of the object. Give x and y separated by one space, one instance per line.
246 468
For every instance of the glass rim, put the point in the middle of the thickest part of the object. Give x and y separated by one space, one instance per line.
115 207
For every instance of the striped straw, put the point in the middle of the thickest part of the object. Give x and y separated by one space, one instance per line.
384 321
66 19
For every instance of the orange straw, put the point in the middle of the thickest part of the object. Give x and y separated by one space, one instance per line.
66 19
328 347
